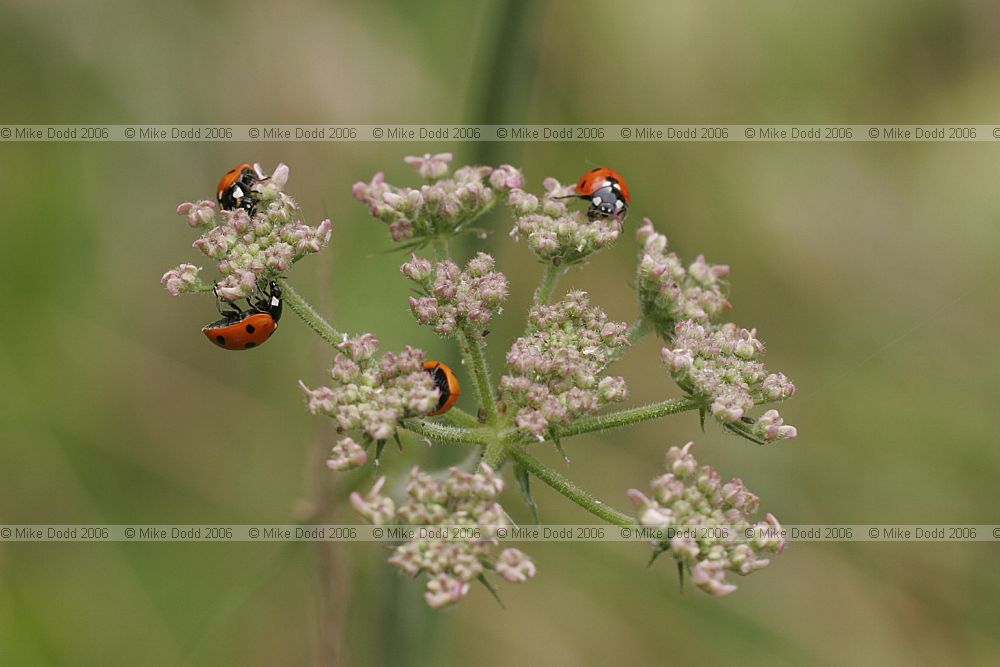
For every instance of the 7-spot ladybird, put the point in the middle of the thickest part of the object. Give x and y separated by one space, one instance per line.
606 191
446 382
235 188
245 329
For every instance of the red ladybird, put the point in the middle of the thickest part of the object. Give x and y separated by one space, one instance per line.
246 329
606 191
236 188
446 382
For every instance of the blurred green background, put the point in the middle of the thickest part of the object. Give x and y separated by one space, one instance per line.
869 269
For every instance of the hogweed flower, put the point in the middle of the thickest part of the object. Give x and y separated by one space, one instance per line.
183 279
554 384
669 292
373 394
450 558
721 367
556 234
441 208
713 527
347 455
248 248
452 298
556 368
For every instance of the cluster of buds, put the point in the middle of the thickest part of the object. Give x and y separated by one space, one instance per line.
556 368
442 207
347 455
372 394
247 248
553 232
721 367
709 526
451 298
670 293
457 519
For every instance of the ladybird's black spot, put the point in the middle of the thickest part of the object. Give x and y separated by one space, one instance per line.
221 340
250 329
249 345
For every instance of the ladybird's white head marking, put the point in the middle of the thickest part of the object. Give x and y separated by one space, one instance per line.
597 201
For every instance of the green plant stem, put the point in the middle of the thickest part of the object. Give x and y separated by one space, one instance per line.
570 490
441 250
459 417
628 417
313 320
475 359
548 285
451 434
495 453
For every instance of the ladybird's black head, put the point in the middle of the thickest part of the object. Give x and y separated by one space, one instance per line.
274 295
240 193
607 202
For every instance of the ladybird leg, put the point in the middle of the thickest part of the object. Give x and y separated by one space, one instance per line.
237 311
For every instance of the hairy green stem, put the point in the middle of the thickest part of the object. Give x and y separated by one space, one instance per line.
471 343
441 250
459 417
569 489
309 315
628 417
548 285
451 434
495 453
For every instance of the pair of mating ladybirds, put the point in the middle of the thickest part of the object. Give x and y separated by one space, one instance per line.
246 329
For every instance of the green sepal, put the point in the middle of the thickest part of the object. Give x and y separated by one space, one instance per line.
559 448
496 596
524 483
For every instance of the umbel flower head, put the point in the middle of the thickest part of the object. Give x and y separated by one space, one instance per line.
442 207
556 369
372 394
721 367
713 527
451 559
248 248
556 234
451 298
669 292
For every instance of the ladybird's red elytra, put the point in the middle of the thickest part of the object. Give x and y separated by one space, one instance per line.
247 329
236 188
606 191
447 383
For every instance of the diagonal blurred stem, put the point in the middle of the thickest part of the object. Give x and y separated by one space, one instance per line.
570 490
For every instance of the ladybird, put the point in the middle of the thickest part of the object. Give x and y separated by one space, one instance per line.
606 191
446 382
245 329
235 188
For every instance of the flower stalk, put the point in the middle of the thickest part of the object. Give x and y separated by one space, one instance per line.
543 294
570 490
298 305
